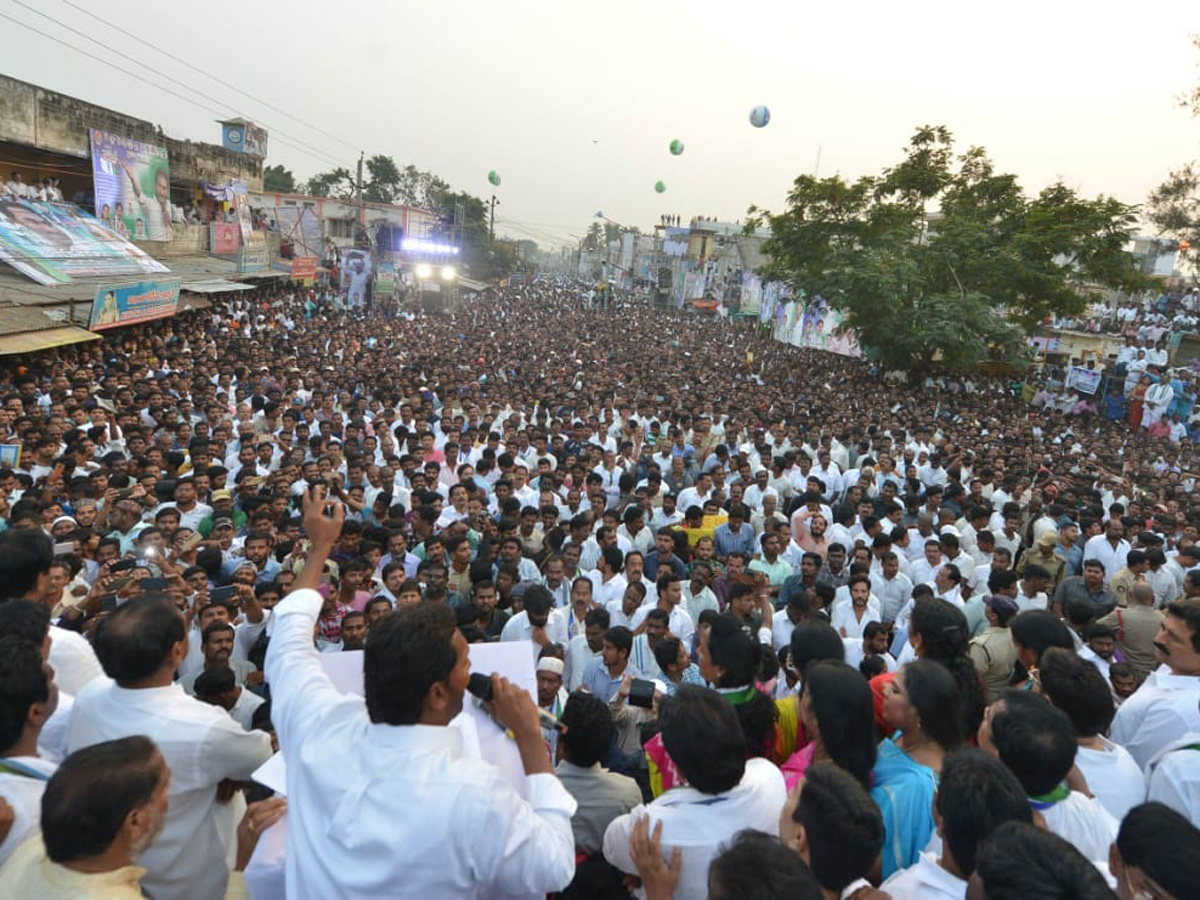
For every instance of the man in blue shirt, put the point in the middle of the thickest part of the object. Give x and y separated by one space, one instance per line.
602 677
664 552
736 535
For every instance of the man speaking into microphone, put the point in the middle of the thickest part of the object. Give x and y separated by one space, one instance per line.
381 799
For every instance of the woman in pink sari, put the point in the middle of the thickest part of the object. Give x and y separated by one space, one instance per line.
838 714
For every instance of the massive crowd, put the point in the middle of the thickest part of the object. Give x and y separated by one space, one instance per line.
799 628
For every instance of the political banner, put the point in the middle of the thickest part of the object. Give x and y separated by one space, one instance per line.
10 456
53 243
820 326
304 267
132 303
751 295
133 186
355 277
241 208
385 279
1083 379
225 238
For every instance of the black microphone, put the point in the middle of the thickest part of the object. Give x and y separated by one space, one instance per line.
480 685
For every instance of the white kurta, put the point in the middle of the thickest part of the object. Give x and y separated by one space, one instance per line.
203 746
378 810
699 826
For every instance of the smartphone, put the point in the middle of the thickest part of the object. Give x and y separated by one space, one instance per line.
153 584
223 594
124 493
123 566
117 583
641 693
64 547
108 602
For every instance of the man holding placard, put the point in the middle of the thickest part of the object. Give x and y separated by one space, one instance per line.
381 799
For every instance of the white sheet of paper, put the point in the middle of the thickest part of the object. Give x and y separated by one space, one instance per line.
273 774
511 659
345 669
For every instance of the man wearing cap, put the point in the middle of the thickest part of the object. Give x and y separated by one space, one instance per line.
222 508
1044 555
993 652
552 696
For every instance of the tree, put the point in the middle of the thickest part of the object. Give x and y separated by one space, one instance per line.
277 178
337 183
596 238
382 182
941 257
1174 206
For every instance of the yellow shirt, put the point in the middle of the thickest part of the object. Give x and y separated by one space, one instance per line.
30 873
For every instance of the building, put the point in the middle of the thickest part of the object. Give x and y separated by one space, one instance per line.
45 134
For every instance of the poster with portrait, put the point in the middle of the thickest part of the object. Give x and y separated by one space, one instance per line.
132 182
53 243
128 304
821 327
355 277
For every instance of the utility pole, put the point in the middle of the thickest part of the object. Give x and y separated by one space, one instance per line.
358 184
492 222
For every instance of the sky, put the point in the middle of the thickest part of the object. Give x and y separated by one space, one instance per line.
574 104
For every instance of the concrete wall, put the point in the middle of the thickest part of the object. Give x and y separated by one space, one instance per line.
35 117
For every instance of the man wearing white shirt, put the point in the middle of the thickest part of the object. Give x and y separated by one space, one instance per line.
141 645
30 698
538 623
608 584
25 558
892 587
585 647
359 766
669 597
1036 742
697 495
1078 689
720 797
851 616
1167 705
1110 548
925 569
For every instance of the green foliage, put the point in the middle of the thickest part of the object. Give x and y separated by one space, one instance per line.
941 257
596 238
337 183
277 178
381 183
386 182
1174 206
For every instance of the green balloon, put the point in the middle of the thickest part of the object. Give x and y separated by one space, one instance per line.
494 178
676 147
660 186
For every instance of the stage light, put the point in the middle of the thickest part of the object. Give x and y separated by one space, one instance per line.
448 273
424 272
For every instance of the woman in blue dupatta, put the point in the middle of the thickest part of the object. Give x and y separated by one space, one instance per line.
922 704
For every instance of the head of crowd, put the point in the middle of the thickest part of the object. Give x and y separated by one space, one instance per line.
775 622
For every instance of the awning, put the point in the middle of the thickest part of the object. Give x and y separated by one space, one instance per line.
46 338
468 284
215 286
193 301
